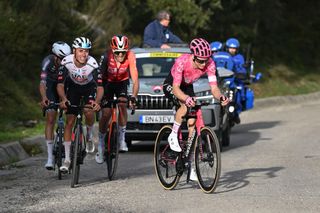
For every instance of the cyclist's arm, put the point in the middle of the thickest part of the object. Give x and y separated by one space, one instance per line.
60 86
100 89
177 74
212 78
178 92
43 80
134 74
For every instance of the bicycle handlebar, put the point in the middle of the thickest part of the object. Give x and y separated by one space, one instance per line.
51 103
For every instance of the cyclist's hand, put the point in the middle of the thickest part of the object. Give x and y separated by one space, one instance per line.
95 106
132 103
190 102
44 102
64 104
224 100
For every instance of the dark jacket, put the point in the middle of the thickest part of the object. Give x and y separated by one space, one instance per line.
156 34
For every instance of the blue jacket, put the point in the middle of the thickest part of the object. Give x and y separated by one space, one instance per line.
223 59
156 34
238 61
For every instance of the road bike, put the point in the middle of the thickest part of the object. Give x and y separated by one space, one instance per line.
111 152
78 144
203 146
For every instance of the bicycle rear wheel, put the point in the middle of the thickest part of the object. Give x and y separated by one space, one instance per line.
76 154
113 153
166 160
207 160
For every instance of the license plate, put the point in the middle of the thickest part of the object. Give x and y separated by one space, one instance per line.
152 119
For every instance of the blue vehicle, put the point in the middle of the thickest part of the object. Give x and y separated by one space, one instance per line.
236 85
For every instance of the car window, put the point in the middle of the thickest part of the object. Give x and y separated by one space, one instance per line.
154 66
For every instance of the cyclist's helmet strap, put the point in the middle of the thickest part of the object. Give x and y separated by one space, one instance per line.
200 48
119 43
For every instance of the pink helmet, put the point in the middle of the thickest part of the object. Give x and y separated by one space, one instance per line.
200 48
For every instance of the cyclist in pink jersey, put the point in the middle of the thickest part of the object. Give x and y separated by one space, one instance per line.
178 86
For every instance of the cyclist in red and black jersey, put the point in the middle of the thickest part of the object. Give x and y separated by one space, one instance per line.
117 65
48 92
79 71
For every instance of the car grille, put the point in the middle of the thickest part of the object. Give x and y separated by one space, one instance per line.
154 102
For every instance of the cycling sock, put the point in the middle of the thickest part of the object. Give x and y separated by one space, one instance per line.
101 139
67 145
175 127
50 149
89 132
122 132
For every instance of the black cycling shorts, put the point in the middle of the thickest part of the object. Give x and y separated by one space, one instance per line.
75 92
52 94
167 89
111 89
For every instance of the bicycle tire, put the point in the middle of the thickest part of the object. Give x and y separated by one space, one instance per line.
207 160
112 154
165 160
74 162
58 158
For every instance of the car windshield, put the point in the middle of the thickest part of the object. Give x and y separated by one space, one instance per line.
155 66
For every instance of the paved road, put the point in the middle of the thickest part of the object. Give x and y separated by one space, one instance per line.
272 165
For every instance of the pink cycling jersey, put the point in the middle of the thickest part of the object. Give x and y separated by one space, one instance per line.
184 73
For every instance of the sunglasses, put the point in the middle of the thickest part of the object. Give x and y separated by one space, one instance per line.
118 52
201 61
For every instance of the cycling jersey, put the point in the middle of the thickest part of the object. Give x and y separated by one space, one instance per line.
112 73
49 69
80 76
184 73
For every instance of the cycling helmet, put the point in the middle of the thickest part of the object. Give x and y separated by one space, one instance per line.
216 46
61 49
233 43
119 43
82 42
200 48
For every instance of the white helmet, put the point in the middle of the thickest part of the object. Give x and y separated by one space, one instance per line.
61 49
82 42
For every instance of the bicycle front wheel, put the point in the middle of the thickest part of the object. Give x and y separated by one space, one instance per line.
58 157
112 154
207 160
166 160
75 161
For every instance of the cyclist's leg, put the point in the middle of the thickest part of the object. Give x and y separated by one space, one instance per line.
89 93
74 98
104 121
122 95
51 114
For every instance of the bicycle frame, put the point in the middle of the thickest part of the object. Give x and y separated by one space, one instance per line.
114 119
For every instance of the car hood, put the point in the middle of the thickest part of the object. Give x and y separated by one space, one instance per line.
153 86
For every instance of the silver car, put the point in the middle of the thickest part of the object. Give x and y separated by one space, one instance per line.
155 110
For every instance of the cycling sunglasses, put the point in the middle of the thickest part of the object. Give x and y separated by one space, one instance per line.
201 61
118 52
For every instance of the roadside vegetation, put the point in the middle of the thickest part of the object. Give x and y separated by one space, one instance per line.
281 35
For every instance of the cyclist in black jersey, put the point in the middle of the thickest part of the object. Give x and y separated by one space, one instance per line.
48 92
80 74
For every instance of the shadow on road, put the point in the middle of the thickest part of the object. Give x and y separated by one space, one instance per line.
245 134
235 180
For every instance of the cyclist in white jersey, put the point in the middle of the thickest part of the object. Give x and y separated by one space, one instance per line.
80 74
